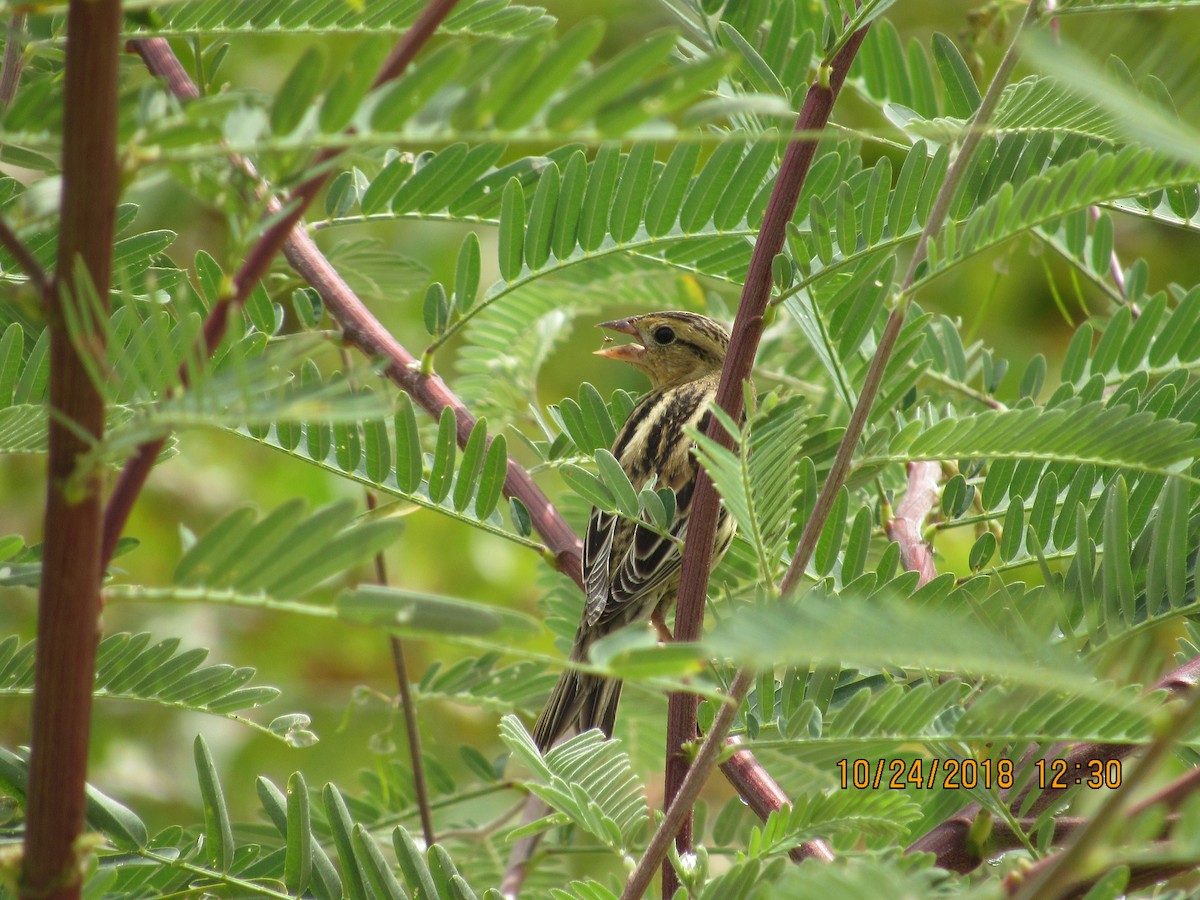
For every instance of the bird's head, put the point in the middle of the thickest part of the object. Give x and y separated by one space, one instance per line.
671 347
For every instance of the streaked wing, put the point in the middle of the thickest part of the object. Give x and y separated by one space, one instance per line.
623 561
597 551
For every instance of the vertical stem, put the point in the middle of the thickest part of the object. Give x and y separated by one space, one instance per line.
698 549
413 734
14 52
412 730
68 603
743 345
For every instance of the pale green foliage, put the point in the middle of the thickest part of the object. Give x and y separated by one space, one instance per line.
588 780
128 667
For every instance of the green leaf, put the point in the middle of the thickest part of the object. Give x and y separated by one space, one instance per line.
408 446
580 102
665 201
522 523
472 463
297 866
342 828
747 180
617 481
378 450
512 227
630 198
441 472
559 63
539 231
379 193
399 99
596 416
218 829
1116 564
602 181
588 486
570 206
430 172
491 481
467 273
753 66
295 96
962 94
379 873
405 611
707 187
412 864
349 88
829 544
436 309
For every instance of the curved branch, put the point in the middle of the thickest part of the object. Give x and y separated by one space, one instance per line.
947 842
258 260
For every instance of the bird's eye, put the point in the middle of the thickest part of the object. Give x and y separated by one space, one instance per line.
663 334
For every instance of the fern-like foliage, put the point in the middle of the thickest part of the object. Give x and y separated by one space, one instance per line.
295 859
588 780
129 667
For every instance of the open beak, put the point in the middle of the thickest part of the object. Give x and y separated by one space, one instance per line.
622 352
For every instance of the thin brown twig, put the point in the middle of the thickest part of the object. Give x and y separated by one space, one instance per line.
408 706
25 258
258 261
752 781
697 554
947 841
364 332
14 59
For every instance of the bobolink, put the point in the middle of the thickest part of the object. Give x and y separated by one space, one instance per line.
631 572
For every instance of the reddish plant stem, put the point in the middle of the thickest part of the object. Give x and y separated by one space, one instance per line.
364 332
14 58
680 807
947 842
69 598
906 525
764 797
743 345
256 265
25 259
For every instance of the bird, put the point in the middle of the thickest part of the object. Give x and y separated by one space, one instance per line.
631 572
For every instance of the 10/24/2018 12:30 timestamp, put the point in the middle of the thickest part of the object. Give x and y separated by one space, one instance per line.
969 774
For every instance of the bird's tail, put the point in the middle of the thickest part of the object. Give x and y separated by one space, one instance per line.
581 700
